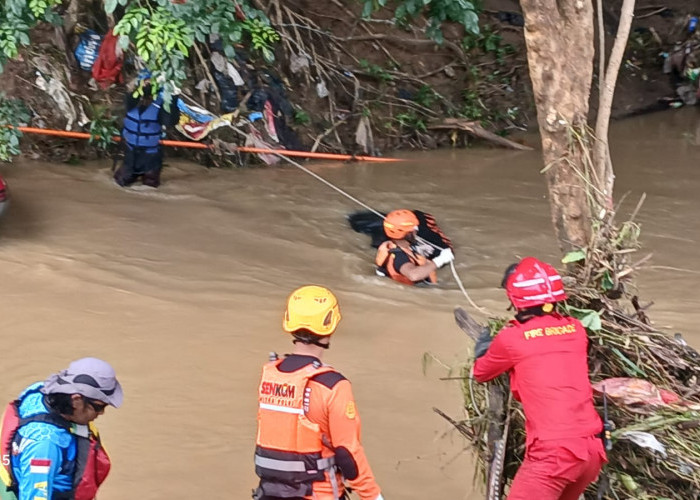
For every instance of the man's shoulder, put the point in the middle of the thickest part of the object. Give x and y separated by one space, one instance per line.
43 435
328 379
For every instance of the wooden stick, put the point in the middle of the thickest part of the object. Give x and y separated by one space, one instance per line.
208 73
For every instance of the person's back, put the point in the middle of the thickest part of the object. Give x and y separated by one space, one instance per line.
545 354
308 441
549 375
331 405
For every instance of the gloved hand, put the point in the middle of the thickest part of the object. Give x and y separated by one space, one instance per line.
483 343
176 90
444 257
380 497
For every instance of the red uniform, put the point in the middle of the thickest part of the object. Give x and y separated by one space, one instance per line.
548 364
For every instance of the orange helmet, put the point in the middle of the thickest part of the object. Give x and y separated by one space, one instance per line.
313 308
400 223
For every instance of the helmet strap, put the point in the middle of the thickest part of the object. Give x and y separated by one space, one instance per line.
309 341
524 315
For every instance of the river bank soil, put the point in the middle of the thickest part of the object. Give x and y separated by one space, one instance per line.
366 87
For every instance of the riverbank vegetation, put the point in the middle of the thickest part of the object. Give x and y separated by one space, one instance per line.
354 77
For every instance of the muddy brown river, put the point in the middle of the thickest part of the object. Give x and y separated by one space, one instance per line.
182 290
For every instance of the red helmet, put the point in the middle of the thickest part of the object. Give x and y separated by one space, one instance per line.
532 282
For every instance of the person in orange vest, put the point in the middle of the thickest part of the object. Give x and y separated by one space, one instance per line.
51 449
308 442
546 355
405 258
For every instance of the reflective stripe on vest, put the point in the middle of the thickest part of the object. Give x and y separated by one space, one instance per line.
289 446
143 130
283 409
292 466
385 259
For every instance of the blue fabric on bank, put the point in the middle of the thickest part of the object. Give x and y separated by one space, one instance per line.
144 74
192 113
255 116
42 441
88 49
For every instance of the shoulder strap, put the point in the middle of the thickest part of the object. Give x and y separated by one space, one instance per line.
47 418
328 378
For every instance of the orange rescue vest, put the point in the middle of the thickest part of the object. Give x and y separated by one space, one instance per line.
386 254
289 446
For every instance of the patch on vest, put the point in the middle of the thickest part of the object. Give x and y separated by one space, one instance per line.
350 411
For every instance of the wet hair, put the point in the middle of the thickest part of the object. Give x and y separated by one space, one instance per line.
306 337
530 312
60 403
509 270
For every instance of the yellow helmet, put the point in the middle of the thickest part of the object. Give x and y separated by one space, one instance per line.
313 308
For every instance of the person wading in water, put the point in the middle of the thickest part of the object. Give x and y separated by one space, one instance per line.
145 119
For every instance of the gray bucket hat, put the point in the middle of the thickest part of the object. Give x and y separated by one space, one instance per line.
90 377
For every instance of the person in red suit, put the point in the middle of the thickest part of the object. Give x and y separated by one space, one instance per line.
545 354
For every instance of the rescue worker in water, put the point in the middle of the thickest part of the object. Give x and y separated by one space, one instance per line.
308 442
145 119
406 259
51 449
545 354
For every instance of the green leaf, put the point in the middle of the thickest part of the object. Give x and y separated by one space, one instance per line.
471 22
367 9
631 368
123 42
606 282
268 55
230 51
591 320
574 256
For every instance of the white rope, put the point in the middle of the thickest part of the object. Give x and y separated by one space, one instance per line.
364 205
461 287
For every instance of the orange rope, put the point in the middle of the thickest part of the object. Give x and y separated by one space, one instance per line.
198 145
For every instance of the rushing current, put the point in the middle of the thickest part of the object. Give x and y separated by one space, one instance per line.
182 290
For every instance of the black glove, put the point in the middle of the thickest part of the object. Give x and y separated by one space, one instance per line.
483 343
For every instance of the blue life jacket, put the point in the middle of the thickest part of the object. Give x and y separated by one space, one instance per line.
143 130
38 423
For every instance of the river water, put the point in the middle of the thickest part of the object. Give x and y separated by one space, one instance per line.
182 289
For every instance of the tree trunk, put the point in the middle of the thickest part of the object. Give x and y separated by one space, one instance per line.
559 36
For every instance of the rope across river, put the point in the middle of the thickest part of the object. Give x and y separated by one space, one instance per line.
364 205
285 156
